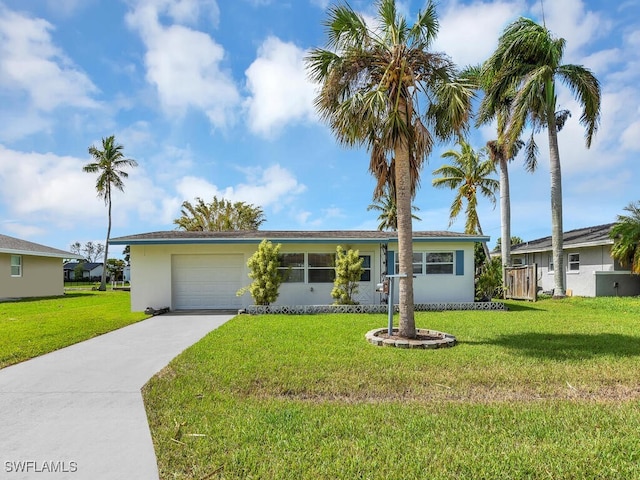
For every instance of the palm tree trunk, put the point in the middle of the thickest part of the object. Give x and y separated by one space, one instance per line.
406 325
556 212
505 214
103 283
485 247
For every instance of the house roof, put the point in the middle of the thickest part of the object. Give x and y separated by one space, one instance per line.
581 237
288 236
22 247
87 266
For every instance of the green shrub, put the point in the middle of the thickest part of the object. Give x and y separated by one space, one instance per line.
489 282
263 269
348 272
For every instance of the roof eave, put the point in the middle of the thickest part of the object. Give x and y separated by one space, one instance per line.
32 253
251 240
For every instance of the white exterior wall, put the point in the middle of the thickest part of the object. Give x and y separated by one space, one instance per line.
308 293
581 282
151 275
151 270
443 287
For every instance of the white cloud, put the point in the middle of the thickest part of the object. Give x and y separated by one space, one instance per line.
270 187
28 55
46 185
570 20
280 91
36 77
469 33
45 188
185 65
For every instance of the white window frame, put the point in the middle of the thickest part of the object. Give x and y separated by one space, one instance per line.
16 263
421 265
299 267
573 263
551 263
318 268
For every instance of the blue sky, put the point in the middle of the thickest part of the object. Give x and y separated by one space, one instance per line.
211 98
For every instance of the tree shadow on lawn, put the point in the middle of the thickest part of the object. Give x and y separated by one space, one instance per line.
555 346
523 306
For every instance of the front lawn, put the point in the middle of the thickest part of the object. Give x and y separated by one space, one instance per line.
546 390
32 327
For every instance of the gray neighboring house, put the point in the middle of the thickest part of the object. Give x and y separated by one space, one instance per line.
90 270
590 271
29 269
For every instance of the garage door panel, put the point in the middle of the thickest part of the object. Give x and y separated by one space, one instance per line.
207 281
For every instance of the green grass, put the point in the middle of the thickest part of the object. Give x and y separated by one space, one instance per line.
33 327
546 390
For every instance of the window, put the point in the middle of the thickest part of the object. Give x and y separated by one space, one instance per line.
518 262
366 266
439 263
291 267
574 262
16 266
551 263
322 268
430 263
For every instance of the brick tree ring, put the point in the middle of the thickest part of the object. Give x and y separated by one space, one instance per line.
424 339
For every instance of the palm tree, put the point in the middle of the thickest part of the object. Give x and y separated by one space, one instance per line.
500 150
469 174
386 205
109 163
626 236
373 83
219 215
528 60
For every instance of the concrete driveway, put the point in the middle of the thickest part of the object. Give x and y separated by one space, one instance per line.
77 413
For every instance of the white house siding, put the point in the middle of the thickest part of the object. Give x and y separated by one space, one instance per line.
313 293
444 287
594 261
152 276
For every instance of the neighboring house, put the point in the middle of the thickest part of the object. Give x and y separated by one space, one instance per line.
30 270
590 271
198 270
90 271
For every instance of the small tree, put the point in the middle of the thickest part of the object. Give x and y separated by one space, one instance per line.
78 272
348 272
115 266
263 266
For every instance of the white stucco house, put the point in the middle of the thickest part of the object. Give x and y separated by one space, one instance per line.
589 269
29 269
204 270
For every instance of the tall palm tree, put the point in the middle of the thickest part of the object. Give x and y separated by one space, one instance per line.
386 205
500 150
469 174
528 59
109 163
373 83
626 236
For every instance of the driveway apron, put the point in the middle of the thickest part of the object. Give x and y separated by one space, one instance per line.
77 413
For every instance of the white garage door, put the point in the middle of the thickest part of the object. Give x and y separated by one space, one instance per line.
206 281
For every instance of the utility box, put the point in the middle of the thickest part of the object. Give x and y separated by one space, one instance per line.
383 287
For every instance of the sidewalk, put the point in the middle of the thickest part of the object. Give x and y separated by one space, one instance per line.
77 413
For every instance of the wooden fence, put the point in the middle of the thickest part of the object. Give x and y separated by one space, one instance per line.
521 283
